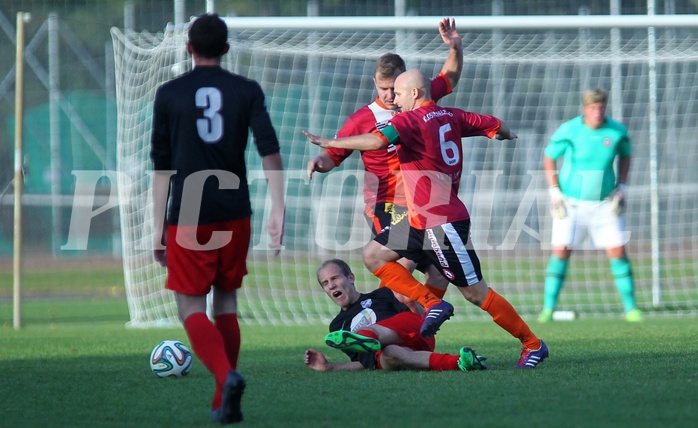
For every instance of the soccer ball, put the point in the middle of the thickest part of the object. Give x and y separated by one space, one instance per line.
170 358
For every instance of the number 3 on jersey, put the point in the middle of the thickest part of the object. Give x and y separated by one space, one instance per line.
210 127
449 149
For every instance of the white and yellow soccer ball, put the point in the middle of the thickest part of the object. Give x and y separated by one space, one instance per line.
171 358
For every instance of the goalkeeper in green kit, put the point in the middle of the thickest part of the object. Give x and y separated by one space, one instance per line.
587 197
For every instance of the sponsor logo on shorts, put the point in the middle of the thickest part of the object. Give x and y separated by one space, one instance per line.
435 246
449 275
397 218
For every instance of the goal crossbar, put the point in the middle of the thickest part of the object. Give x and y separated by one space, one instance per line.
469 23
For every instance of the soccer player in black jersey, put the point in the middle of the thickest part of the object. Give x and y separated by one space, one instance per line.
376 331
201 122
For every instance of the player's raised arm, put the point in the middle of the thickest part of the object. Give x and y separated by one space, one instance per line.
363 142
454 63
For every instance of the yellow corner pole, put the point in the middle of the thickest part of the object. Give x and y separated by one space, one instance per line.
19 174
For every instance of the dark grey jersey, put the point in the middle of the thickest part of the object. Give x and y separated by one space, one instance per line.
201 123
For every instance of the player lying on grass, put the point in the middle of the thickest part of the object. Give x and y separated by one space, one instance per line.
431 152
376 331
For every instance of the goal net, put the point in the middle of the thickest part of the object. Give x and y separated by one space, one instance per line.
314 78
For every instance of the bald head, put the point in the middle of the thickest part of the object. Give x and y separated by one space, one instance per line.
411 89
413 78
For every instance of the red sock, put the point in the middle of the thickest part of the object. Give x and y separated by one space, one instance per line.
227 325
397 278
506 317
443 362
208 345
368 333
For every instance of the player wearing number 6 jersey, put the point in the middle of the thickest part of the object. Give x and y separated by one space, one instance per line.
431 160
384 195
201 122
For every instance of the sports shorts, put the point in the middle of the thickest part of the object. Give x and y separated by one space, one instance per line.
193 271
386 215
594 219
446 246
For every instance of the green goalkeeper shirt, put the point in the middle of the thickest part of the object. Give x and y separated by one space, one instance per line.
587 169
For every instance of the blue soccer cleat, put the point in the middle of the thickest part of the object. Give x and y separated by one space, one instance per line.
434 317
530 359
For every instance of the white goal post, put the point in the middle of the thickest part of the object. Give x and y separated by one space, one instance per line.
528 70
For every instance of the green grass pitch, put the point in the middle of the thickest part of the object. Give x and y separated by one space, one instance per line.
74 364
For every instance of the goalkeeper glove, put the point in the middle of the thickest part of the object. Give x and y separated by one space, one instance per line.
618 199
557 203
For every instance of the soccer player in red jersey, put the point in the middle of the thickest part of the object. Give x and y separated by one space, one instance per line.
197 150
431 162
383 191
376 331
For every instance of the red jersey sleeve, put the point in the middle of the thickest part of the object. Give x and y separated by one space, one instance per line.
338 155
478 124
350 128
440 87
